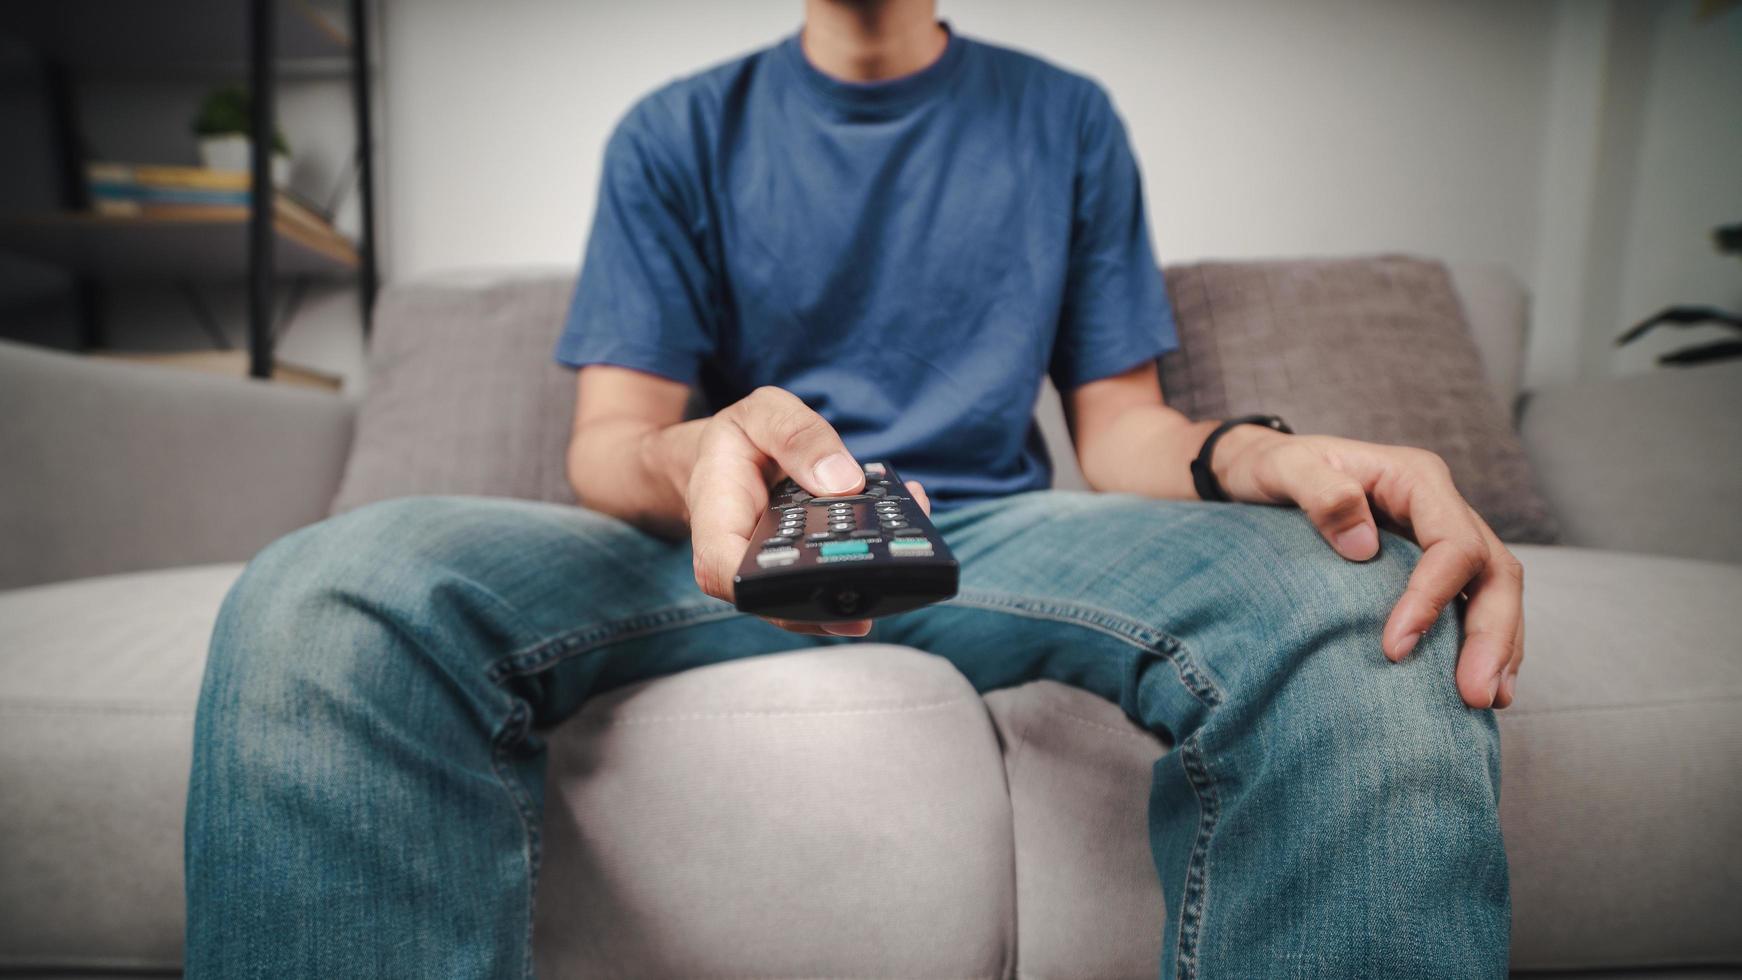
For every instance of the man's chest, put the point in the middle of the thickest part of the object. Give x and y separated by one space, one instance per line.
834 227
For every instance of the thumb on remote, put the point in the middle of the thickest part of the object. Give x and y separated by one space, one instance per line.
801 442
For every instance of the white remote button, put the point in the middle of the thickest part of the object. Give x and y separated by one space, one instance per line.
777 556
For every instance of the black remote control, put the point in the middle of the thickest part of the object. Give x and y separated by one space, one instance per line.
828 559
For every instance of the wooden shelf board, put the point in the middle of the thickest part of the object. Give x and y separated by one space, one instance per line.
230 363
205 248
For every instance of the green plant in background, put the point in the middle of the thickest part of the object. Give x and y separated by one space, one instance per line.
229 111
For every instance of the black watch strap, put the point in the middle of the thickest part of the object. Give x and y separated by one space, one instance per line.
1204 478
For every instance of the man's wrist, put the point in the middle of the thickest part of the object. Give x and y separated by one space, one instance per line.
668 454
1237 445
1218 467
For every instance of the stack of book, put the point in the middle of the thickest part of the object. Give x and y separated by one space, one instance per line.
126 190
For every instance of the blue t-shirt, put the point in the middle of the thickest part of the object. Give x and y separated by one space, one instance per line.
908 257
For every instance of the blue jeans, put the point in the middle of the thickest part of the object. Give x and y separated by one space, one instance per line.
367 776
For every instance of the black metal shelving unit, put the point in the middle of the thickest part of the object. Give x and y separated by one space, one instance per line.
259 40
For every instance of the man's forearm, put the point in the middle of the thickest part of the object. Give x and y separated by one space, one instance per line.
637 471
1148 450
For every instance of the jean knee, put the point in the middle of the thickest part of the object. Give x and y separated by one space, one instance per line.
1307 574
309 612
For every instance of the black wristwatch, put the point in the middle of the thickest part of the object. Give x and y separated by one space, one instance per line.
1204 478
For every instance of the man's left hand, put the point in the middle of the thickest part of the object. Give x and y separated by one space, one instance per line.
1334 479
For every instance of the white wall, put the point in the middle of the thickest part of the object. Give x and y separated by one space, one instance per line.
1275 127
1467 130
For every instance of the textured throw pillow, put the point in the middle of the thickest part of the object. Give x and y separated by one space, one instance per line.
1371 348
463 396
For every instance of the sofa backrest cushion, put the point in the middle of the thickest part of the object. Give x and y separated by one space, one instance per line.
1370 348
464 397
1650 462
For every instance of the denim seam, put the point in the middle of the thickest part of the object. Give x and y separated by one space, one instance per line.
1197 880
548 652
1199 684
1147 638
511 728
540 656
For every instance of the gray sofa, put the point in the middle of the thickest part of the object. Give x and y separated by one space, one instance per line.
852 812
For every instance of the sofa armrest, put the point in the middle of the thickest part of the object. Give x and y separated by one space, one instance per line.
1649 463
112 468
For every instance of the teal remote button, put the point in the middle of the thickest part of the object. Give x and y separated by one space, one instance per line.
845 548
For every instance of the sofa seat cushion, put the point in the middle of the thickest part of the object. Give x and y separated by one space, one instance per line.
98 679
1621 792
829 813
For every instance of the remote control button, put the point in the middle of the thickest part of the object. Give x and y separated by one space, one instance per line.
866 533
909 532
895 523
779 556
875 469
834 548
841 526
820 536
875 491
848 499
777 541
912 548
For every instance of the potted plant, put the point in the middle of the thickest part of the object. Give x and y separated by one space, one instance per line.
223 126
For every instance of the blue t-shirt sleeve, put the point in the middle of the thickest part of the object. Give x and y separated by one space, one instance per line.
645 297
1116 313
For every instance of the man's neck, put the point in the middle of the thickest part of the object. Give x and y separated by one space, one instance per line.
872 40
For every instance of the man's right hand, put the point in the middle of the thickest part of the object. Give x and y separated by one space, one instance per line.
741 451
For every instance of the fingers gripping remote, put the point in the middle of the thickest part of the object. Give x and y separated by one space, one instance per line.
827 559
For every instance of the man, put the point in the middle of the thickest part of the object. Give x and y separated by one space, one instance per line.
872 241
